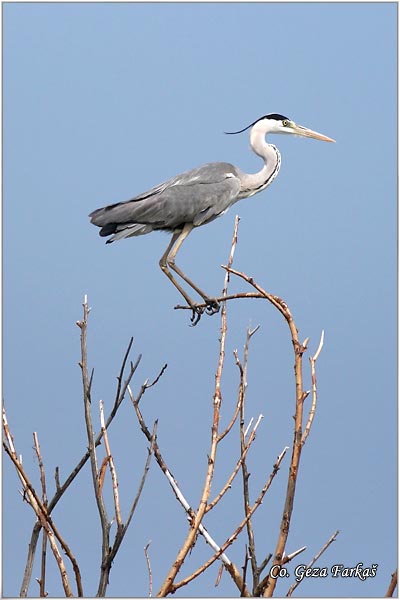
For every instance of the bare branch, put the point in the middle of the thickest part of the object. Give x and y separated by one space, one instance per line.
219 576
30 559
45 520
314 560
41 467
173 483
225 298
288 557
101 507
167 585
111 464
146 385
122 529
313 360
57 478
157 379
297 445
245 473
233 571
195 516
121 373
244 568
392 585
42 581
144 476
237 466
61 489
264 563
231 254
320 346
146 553
108 552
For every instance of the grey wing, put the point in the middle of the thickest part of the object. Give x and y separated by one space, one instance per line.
197 196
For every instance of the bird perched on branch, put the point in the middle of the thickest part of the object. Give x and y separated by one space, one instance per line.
195 198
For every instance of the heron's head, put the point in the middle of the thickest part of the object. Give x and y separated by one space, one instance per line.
275 123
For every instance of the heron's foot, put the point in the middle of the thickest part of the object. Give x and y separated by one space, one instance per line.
197 312
212 306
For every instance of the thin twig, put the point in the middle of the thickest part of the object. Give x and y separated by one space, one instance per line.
313 360
146 468
101 507
111 465
46 522
148 563
121 372
237 578
108 551
146 385
42 581
219 575
57 478
232 421
241 393
231 254
288 557
61 489
237 466
122 529
264 563
172 481
44 518
245 473
244 568
41 467
314 560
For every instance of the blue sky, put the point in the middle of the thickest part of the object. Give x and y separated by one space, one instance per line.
100 103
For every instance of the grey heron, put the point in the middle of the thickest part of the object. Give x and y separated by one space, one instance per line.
195 198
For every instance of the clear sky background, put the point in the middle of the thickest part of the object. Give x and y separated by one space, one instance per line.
100 103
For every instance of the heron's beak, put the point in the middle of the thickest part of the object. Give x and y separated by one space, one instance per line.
303 131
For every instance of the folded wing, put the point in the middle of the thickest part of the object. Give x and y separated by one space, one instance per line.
197 196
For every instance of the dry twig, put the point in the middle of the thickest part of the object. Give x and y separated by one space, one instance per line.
168 584
232 569
314 560
300 396
111 464
30 495
392 585
108 550
148 563
42 580
245 473
313 360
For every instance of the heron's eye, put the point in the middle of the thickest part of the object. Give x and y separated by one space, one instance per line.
285 123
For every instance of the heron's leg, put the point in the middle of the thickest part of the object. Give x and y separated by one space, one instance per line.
169 257
164 267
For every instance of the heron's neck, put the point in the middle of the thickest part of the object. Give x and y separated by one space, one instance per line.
253 183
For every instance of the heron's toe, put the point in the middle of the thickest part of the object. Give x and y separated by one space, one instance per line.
197 311
212 306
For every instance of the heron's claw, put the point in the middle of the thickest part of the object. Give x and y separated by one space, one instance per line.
212 306
197 311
